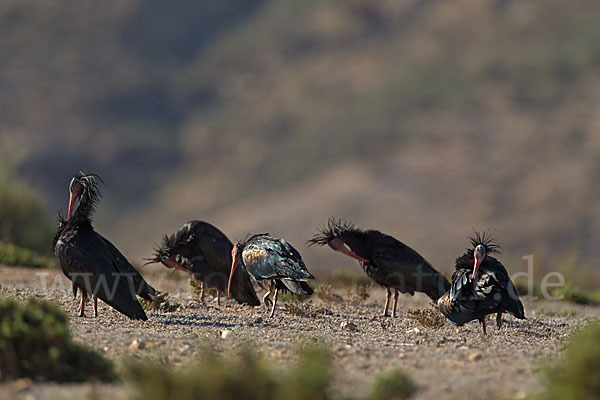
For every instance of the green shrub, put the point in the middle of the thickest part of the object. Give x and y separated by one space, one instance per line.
393 384
22 217
245 376
310 378
11 254
574 294
212 377
35 342
578 376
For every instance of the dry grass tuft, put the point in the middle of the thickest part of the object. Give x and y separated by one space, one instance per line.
429 317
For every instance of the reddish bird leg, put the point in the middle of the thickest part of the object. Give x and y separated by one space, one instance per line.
82 305
395 304
482 320
499 320
95 298
387 302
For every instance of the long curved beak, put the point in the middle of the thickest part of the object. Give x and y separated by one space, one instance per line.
339 245
234 264
478 260
71 204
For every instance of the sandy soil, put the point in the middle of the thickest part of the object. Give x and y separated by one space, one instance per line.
446 363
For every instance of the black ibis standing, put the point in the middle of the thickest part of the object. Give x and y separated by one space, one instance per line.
92 263
268 258
480 286
202 250
386 260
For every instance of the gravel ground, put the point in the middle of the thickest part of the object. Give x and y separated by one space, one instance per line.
446 363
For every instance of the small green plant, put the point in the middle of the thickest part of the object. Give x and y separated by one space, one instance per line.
577 377
23 220
11 254
35 342
245 376
161 303
393 384
429 318
310 377
574 294
197 288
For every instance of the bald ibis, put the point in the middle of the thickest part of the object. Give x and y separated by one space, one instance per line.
92 263
201 249
386 260
267 258
480 286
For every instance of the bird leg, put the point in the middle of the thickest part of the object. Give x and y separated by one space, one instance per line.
499 320
82 305
202 291
265 298
395 303
218 297
95 298
274 303
482 320
387 302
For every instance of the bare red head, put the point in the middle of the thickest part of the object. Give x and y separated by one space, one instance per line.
75 189
338 244
236 257
479 255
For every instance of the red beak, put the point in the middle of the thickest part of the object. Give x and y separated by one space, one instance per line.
338 245
478 260
71 203
234 264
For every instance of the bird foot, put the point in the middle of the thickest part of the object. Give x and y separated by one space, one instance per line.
386 315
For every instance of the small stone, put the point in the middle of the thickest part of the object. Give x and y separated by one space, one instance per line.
185 349
137 345
475 356
226 334
258 320
349 326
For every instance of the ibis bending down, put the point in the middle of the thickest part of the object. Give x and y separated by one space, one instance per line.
480 286
386 260
201 249
267 258
92 263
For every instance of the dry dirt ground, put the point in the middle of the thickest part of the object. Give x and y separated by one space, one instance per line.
446 363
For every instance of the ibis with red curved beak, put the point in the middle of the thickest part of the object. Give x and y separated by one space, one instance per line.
201 249
386 260
480 286
92 263
271 259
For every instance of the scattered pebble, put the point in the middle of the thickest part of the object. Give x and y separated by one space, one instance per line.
349 326
475 356
137 345
226 334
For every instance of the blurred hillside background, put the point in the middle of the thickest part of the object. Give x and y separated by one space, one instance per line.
423 119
